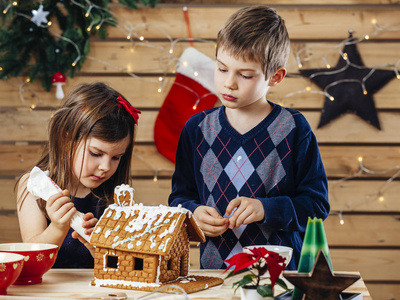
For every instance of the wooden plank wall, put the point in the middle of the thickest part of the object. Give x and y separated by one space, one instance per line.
368 241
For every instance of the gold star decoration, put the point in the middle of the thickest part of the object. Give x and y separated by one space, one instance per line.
321 282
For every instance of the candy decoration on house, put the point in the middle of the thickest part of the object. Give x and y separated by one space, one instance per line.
58 80
29 46
146 247
321 282
124 195
192 92
349 86
314 241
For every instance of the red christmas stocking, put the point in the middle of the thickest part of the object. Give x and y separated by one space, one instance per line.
192 92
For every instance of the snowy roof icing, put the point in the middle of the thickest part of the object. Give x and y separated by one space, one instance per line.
143 229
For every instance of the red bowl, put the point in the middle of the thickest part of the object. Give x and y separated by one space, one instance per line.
10 268
39 258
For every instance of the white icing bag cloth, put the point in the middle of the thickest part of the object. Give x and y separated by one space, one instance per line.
40 185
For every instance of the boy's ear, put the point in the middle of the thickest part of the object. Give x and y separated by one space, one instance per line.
278 76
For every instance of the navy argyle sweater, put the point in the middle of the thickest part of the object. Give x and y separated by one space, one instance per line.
277 162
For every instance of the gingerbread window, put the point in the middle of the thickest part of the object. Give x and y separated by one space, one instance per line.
138 264
112 262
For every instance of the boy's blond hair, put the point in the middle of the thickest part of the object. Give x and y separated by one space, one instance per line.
256 33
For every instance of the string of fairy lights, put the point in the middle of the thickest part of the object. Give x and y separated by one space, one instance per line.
375 196
363 170
134 34
395 66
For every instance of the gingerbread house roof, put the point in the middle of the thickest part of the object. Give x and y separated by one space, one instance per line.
143 229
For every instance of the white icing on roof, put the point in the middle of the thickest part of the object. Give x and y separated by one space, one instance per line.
139 228
142 229
166 231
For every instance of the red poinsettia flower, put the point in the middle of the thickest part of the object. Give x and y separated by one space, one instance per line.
241 261
259 259
259 252
276 265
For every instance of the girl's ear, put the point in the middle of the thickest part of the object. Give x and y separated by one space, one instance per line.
278 76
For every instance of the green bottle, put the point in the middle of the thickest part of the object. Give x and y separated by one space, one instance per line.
314 240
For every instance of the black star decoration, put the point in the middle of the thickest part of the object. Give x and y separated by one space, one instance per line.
321 283
351 85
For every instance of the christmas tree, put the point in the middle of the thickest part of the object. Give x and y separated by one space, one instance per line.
39 39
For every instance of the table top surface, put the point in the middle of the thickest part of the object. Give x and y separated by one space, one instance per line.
75 284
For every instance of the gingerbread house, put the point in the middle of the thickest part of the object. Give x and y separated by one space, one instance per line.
144 247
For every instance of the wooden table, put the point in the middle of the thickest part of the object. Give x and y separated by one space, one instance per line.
75 284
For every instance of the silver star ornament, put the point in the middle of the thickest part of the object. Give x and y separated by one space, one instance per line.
39 16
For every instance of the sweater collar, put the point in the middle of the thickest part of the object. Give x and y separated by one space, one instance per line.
255 130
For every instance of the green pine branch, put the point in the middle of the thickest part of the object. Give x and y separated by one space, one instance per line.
37 52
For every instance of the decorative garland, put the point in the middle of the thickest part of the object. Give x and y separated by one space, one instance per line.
39 39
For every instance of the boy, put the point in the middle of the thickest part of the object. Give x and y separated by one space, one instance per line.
250 170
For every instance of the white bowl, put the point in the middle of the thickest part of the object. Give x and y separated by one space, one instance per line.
284 251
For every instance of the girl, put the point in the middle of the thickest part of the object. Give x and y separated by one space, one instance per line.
91 138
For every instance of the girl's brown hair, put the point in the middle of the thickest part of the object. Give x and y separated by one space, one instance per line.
91 110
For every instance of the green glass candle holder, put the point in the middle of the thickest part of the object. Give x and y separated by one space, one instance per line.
314 240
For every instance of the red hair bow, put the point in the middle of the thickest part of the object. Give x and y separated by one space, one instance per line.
129 108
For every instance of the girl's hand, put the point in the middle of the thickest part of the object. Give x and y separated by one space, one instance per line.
89 223
60 209
248 210
210 221
76 235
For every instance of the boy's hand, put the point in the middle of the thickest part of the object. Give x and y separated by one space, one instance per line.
210 221
60 210
248 210
89 223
